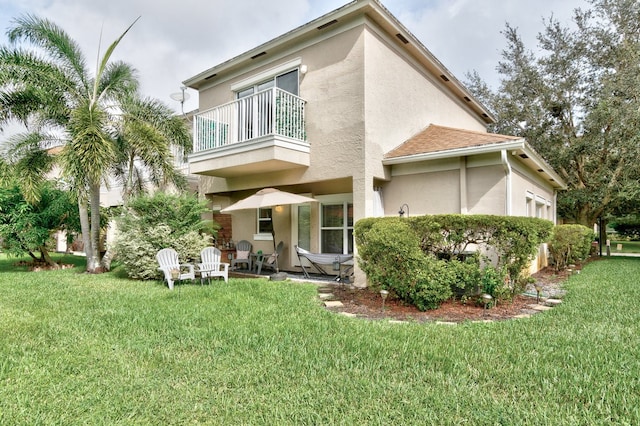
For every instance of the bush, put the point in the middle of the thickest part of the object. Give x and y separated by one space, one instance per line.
392 259
151 223
400 254
466 281
570 244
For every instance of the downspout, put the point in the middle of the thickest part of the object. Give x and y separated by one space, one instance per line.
507 171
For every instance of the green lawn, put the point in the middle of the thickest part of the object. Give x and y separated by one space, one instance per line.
627 246
100 349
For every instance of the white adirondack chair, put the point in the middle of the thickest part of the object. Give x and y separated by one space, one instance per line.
173 270
211 265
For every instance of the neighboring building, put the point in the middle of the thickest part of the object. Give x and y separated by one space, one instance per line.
354 111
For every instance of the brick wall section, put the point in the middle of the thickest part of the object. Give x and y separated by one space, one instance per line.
225 233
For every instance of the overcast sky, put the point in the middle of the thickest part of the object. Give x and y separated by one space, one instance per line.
175 40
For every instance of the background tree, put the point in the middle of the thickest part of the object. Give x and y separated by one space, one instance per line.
578 104
28 227
49 87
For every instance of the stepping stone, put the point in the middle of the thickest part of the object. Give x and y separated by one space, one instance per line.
540 307
446 323
553 302
397 322
520 316
348 314
325 289
333 304
325 296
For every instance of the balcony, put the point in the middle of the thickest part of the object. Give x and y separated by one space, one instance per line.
261 133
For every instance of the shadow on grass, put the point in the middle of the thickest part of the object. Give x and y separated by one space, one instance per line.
10 263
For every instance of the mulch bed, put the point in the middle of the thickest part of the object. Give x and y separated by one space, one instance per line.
367 304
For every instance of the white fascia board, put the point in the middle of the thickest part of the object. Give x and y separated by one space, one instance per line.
542 164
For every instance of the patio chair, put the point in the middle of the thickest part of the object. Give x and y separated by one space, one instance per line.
243 254
172 269
211 265
269 261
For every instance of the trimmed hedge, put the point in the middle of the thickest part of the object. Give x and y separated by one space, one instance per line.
570 244
424 259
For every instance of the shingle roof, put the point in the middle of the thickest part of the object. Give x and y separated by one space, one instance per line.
438 138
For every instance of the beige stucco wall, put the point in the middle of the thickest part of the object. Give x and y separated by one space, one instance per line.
435 187
431 192
333 88
525 181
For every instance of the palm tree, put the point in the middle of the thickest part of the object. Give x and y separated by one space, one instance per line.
148 133
51 90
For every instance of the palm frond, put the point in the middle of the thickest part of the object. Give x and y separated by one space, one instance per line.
105 60
53 39
118 79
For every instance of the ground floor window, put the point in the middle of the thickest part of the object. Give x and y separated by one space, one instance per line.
336 229
265 217
304 226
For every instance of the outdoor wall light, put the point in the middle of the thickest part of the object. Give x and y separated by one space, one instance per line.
279 209
303 69
401 211
383 294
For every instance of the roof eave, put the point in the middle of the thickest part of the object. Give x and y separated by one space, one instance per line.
456 152
515 146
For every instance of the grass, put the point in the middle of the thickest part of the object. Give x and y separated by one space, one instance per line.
100 349
627 246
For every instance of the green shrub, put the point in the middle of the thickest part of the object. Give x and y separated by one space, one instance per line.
392 259
466 281
570 244
399 254
432 284
151 223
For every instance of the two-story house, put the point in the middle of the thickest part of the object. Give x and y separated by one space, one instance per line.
354 111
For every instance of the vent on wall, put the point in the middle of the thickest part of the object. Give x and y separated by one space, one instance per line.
323 26
258 55
466 98
524 156
402 38
211 76
444 77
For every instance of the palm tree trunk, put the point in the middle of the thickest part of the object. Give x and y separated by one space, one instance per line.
86 234
94 191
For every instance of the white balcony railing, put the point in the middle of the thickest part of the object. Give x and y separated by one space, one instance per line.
273 112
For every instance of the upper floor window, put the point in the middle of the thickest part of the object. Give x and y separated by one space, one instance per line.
287 81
